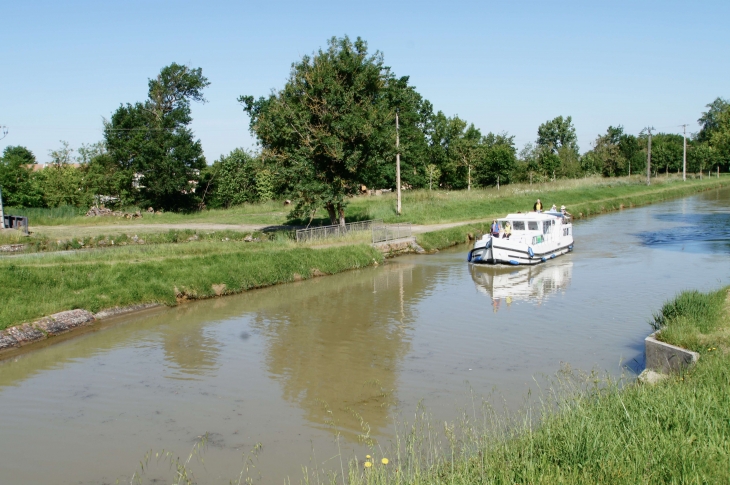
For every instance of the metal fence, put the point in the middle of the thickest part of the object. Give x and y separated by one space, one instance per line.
326 232
382 233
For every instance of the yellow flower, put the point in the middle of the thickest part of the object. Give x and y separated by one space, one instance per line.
368 464
384 461
367 456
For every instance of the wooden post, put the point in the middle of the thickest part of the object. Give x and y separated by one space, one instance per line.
397 161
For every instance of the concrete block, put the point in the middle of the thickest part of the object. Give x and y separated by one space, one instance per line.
666 358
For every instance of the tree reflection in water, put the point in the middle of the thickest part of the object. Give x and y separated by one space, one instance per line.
336 345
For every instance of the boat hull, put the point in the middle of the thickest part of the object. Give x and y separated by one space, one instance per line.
496 252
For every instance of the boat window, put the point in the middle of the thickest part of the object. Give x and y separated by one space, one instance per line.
546 227
518 225
532 225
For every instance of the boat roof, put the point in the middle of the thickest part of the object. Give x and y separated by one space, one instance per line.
533 216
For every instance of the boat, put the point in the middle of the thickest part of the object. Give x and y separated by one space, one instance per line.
529 238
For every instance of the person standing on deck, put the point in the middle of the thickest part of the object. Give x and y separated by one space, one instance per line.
538 206
495 228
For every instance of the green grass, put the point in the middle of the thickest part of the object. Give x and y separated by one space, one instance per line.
269 213
39 284
585 429
695 321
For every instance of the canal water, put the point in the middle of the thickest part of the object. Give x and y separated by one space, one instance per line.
291 367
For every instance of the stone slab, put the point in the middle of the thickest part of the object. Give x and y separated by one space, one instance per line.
666 358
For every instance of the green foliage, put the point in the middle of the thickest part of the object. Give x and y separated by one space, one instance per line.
264 185
433 173
16 178
709 121
329 126
152 145
232 179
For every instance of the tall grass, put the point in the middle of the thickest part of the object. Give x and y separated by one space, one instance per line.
694 320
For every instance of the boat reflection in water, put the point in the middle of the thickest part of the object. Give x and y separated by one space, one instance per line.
534 283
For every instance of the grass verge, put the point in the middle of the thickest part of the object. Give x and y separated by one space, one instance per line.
35 285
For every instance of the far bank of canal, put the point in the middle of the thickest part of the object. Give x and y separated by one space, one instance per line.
282 366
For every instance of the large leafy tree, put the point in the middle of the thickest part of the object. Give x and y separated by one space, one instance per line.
16 178
710 119
152 144
332 126
557 145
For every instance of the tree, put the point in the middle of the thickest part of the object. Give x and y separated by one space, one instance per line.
709 121
330 126
232 180
498 160
433 173
151 142
16 178
556 133
720 138
467 149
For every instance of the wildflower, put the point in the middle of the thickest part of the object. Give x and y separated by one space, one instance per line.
368 464
367 457
384 461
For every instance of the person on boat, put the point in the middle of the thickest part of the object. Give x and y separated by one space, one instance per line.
564 211
553 208
538 206
507 230
495 228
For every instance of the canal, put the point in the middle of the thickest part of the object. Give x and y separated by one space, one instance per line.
292 367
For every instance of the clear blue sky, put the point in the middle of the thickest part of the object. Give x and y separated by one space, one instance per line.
505 66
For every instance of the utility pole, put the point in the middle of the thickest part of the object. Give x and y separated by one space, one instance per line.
397 160
684 156
648 157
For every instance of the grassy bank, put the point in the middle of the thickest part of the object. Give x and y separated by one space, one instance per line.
583 199
589 431
35 285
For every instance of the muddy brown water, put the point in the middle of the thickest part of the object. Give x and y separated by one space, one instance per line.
291 366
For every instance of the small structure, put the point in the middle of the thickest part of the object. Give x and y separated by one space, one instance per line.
12 222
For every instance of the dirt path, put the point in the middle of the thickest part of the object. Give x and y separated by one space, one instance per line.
91 230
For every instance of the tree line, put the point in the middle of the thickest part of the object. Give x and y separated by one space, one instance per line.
327 133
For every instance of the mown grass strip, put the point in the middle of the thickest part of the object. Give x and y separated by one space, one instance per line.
36 285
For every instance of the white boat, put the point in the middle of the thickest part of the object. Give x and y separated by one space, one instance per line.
529 238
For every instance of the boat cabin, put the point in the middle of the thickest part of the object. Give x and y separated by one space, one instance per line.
534 227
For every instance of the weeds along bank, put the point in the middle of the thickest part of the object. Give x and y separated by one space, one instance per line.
582 200
35 285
